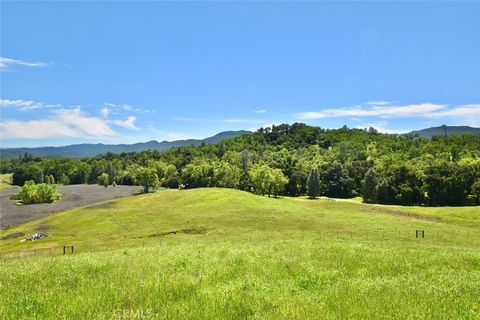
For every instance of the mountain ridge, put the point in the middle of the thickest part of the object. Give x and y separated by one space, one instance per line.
82 150
450 130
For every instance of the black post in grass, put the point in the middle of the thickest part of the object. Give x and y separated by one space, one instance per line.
65 249
419 233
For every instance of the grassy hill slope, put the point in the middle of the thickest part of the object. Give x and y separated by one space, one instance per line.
220 253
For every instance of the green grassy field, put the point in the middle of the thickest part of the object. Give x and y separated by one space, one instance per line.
5 180
227 254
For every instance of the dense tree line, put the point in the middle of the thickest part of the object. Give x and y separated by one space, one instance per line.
280 160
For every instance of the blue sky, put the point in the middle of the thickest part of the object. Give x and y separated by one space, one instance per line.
134 71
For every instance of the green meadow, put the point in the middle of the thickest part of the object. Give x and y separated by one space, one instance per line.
226 254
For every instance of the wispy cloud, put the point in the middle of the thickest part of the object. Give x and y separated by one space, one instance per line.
60 122
105 111
412 110
468 110
379 103
64 123
5 63
260 111
127 124
25 105
161 135
384 110
382 126
126 107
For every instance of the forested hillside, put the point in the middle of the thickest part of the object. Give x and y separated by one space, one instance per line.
388 169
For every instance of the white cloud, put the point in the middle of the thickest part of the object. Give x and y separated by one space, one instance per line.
126 107
260 111
469 110
25 105
379 103
6 62
161 135
381 126
127 124
105 111
70 123
466 114
412 110
64 123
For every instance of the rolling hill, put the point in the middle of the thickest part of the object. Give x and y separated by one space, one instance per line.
91 150
451 130
228 254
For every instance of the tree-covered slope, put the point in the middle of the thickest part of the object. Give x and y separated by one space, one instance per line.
403 169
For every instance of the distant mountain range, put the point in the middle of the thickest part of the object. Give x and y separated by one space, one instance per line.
439 131
91 150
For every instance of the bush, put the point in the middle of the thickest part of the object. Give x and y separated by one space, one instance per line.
36 193
103 179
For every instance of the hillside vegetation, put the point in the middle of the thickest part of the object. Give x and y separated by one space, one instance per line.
386 169
227 254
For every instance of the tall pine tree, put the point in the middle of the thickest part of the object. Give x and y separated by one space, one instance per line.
369 185
313 183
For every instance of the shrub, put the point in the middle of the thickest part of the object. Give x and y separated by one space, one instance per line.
36 193
103 180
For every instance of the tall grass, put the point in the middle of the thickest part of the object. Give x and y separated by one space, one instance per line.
259 259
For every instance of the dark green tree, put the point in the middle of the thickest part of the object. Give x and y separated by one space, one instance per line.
369 187
476 191
313 183
334 181
385 192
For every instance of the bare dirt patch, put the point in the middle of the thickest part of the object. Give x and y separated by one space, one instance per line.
72 196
